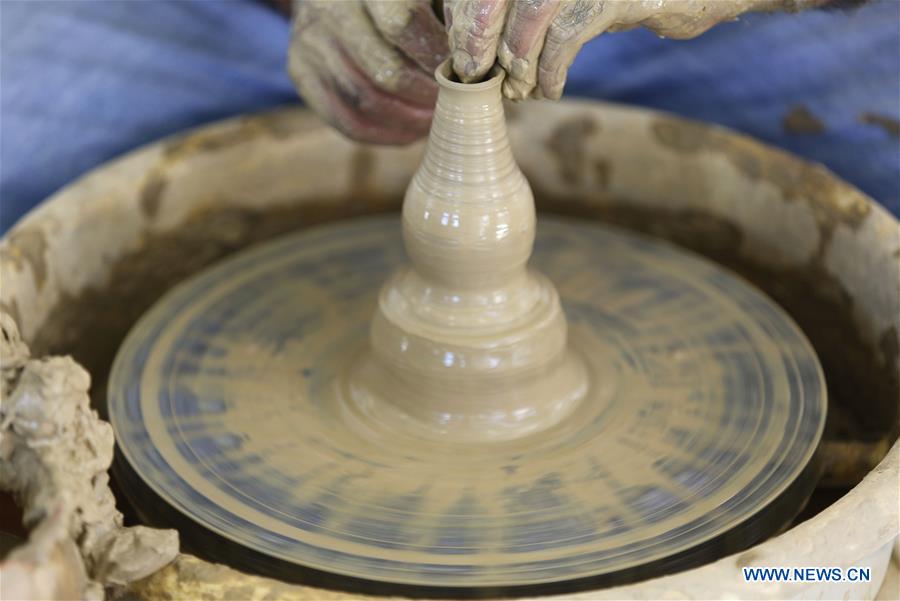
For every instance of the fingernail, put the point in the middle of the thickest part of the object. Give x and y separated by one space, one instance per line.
461 60
464 65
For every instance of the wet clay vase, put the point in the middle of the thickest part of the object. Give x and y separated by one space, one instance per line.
468 343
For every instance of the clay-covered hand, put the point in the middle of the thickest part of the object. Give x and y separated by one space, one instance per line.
366 66
537 40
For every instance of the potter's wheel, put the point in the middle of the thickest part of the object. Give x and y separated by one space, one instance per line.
705 406
409 403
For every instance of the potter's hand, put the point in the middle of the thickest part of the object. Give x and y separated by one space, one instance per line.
366 66
537 40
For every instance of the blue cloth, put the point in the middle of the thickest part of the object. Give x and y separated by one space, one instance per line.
81 82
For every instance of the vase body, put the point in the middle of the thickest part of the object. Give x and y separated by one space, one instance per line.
469 343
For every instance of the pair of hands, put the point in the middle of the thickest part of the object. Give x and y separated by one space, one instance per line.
366 66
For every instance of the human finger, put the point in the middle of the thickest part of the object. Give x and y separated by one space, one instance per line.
575 24
347 98
520 46
353 30
474 34
413 27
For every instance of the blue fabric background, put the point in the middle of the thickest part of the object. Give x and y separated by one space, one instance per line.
81 82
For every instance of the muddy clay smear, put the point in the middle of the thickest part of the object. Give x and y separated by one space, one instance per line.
802 121
890 125
54 457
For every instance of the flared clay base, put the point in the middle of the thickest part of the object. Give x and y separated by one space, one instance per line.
237 400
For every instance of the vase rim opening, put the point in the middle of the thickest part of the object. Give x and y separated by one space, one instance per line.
447 79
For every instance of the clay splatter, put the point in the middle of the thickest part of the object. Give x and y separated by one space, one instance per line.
567 143
28 245
802 121
151 193
888 124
